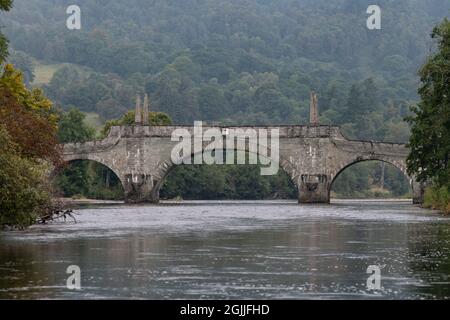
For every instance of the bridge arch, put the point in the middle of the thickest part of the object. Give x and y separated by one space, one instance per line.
74 158
397 164
164 168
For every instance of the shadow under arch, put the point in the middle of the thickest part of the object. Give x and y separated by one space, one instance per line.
283 167
93 167
400 168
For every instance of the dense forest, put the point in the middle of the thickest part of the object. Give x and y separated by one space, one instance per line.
234 62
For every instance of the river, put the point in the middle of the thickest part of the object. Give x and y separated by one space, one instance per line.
233 250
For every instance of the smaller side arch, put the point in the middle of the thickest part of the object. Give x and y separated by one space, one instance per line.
72 158
400 166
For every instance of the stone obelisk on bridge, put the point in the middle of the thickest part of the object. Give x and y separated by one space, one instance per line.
313 110
141 111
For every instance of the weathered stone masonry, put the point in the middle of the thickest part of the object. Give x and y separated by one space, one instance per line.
313 156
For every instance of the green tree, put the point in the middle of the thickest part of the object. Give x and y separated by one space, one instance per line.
24 63
27 144
29 117
155 119
5 5
430 131
24 194
72 127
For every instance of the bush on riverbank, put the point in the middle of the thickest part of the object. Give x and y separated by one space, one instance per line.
28 148
438 199
24 195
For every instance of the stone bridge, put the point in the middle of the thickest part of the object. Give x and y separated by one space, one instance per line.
312 155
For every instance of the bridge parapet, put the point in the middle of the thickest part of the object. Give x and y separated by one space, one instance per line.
94 146
285 131
372 147
125 132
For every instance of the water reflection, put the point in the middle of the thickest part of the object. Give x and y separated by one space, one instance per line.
233 250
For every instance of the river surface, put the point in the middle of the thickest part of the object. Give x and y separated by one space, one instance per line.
233 250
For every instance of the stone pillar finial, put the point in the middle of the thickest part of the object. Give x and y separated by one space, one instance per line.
313 110
145 111
138 111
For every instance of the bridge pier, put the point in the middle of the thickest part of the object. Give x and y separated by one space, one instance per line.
139 189
313 189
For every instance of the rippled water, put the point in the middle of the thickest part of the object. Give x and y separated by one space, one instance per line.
233 250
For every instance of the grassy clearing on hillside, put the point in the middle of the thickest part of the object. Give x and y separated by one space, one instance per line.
44 73
93 120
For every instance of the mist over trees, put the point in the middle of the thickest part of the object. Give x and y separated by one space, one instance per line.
233 62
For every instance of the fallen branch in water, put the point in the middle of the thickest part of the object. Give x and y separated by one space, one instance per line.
57 215
56 211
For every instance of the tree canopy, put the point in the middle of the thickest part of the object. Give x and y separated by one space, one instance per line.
72 127
28 145
154 118
28 117
5 5
430 139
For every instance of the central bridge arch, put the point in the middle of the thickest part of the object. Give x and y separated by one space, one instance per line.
164 168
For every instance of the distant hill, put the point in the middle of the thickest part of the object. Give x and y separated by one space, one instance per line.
238 61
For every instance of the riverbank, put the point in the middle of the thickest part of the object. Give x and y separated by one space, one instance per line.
437 199
84 201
